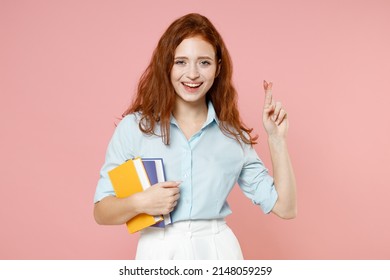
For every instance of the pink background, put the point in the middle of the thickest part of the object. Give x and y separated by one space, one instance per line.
68 70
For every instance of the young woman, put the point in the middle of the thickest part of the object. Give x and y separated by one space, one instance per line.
185 111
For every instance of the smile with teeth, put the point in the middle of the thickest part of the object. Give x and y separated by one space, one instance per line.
192 85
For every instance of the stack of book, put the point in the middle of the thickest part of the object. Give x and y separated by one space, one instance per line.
136 175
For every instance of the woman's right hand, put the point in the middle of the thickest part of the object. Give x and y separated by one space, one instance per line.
159 199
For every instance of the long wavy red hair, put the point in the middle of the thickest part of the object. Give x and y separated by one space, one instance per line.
155 97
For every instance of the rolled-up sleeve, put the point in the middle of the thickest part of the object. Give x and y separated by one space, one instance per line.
118 151
255 181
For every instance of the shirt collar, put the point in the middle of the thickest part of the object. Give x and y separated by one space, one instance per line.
211 115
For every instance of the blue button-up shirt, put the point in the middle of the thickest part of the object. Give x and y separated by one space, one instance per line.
209 165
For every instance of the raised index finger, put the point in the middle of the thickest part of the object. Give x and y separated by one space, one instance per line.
268 93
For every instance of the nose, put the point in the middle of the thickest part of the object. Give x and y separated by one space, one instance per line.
193 72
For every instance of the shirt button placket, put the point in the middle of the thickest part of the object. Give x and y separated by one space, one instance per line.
186 171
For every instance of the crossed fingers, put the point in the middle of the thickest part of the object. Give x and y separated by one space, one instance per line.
272 109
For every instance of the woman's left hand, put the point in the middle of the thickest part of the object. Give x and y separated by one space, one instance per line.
274 115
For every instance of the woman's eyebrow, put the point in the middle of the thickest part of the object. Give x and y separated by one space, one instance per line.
200 57
205 57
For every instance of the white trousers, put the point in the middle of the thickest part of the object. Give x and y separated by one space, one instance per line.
189 240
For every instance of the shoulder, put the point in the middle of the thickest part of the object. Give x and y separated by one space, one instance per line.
129 121
128 127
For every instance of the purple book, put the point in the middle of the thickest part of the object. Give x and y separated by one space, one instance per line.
155 169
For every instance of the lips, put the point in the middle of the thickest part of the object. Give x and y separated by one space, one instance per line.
192 85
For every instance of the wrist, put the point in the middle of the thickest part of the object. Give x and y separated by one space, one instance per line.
277 139
134 203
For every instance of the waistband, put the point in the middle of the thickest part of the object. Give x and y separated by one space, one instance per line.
189 228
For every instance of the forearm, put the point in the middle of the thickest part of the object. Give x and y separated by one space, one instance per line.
159 199
284 178
115 211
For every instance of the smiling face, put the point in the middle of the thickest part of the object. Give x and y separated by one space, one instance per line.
194 70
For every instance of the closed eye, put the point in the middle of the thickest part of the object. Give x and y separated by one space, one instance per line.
180 62
205 62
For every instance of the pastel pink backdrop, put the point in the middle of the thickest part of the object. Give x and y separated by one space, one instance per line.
68 69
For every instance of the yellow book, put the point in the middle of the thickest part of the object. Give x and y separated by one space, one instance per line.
130 178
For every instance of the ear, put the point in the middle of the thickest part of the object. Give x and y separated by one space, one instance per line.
218 69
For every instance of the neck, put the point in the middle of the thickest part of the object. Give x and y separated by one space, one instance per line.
190 112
